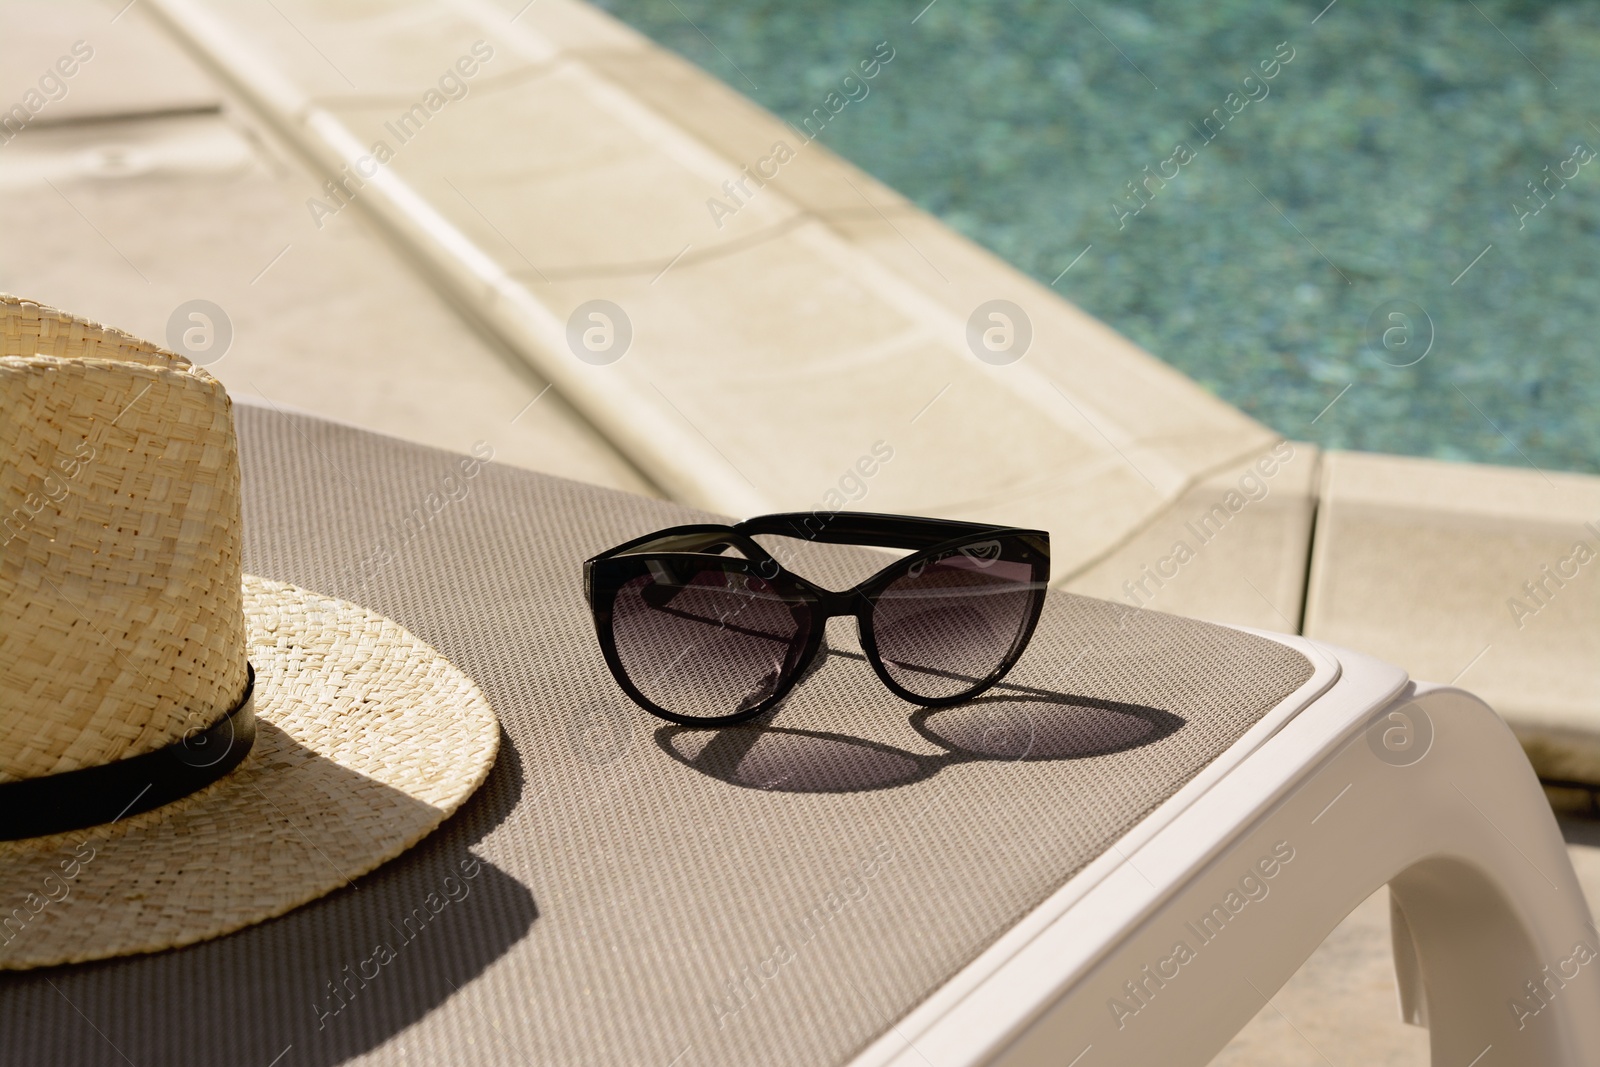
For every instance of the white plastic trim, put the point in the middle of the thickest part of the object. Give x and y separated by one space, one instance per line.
1462 834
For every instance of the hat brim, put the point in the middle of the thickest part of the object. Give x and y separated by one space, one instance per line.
367 739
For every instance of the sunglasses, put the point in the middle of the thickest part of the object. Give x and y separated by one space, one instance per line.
703 638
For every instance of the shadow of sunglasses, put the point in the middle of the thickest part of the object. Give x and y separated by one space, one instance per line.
1014 724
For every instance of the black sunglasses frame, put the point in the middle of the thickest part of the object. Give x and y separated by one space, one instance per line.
700 546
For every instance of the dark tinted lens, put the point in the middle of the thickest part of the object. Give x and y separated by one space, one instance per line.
944 628
706 642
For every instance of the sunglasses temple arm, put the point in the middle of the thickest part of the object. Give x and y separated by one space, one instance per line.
864 528
698 539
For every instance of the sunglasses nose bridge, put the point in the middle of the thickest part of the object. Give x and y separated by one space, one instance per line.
830 604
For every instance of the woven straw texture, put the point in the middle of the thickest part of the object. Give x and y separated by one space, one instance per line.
125 621
771 894
366 740
121 625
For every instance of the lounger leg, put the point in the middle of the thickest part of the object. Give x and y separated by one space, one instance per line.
1496 949
1492 982
1502 942
1407 968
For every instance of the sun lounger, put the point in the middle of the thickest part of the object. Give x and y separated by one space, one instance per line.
1114 858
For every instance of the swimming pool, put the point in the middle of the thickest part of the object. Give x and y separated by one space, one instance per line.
1373 227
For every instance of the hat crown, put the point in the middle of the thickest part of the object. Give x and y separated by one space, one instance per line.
121 617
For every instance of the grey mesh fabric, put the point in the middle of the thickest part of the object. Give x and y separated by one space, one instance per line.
773 893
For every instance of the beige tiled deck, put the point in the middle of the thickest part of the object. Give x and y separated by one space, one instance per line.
1234 547
153 195
825 316
121 75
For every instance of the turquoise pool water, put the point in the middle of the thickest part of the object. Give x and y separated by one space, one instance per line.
1394 147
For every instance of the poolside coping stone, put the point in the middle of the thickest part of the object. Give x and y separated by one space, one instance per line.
1487 577
772 348
163 190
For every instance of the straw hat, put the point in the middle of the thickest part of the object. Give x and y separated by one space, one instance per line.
290 741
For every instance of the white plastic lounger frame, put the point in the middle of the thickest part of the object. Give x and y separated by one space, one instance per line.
1162 950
